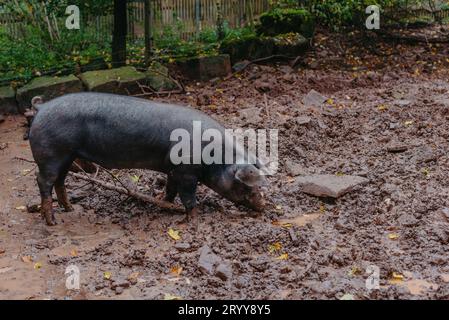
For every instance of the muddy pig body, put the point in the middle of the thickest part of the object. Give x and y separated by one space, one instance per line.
124 132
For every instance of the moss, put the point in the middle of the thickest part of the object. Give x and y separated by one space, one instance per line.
94 79
46 82
7 93
248 47
282 21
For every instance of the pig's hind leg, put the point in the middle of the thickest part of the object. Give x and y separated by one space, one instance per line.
61 192
50 173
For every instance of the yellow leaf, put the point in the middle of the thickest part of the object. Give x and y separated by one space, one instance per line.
37 265
382 107
74 253
425 171
27 259
278 208
393 236
408 123
291 179
283 256
174 234
176 270
21 208
330 101
169 296
274 247
135 178
339 174
322 208
107 275
355 271
396 278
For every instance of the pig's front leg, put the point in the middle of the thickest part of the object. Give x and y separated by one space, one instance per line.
187 185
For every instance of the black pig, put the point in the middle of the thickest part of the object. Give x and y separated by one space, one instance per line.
124 132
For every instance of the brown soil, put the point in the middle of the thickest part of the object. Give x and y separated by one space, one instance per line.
381 94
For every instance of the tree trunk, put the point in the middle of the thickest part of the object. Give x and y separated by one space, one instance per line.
119 34
148 31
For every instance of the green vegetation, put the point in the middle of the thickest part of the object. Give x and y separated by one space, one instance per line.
285 20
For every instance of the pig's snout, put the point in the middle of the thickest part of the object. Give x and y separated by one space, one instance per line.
256 199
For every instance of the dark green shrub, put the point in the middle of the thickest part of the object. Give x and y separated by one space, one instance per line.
281 21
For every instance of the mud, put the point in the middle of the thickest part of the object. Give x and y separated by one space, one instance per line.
386 119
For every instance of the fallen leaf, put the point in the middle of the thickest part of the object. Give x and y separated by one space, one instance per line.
393 236
396 278
278 208
107 275
27 259
21 208
355 271
382 107
169 296
274 247
408 123
134 275
176 270
37 265
135 178
322 208
347 296
74 253
283 256
174 234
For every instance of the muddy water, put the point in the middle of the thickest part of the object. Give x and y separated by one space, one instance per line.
302 247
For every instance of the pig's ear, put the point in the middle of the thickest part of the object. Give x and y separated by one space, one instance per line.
249 176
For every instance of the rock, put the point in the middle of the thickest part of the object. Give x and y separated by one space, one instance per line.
303 120
239 66
48 88
425 154
396 147
329 185
182 246
119 80
120 283
291 44
8 103
206 68
262 86
314 99
158 78
119 290
251 115
208 260
402 103
294 169
224 271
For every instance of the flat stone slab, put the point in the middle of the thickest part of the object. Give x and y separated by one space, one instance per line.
206 68
314 99
158 78
327 185
120 80
8 103
47 87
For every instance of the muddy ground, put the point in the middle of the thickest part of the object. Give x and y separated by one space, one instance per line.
387 119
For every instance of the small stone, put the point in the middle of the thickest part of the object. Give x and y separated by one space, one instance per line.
120 283
303 120
119 290
208 260
314 99
224 271
329 185
182 246
397 147
294 169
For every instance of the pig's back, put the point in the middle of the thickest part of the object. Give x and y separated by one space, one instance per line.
112 130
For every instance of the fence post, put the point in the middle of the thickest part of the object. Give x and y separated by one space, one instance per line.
197 17
148 31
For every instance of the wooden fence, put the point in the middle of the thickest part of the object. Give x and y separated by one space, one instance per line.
188 17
